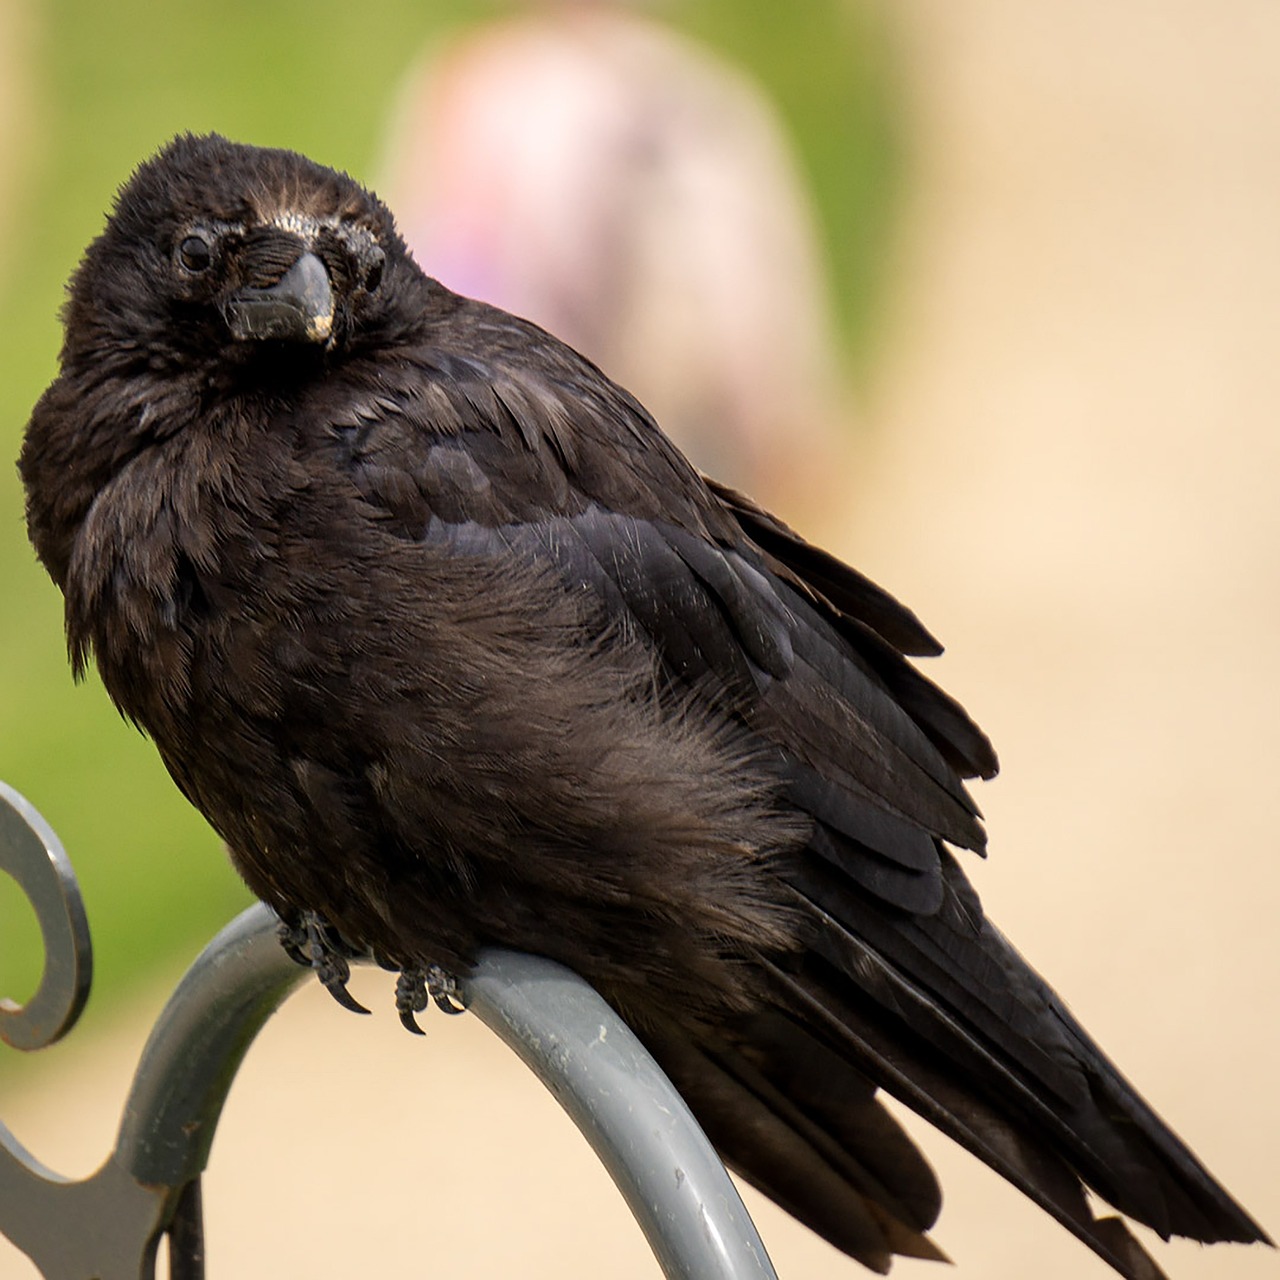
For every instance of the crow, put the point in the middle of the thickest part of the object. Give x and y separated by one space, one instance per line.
453 648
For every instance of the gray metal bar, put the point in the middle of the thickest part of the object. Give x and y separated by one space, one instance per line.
107 1226
196 1047
618 1096
560 1027
34 857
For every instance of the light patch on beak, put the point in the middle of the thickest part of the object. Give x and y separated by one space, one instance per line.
319 327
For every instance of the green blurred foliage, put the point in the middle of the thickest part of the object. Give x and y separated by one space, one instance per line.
107 84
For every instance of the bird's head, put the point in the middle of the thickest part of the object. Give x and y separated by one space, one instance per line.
218 251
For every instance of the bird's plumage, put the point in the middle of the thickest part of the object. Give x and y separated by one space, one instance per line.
454 648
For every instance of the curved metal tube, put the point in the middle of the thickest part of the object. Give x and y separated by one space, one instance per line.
108 1225
34 857
196 1046
618 1096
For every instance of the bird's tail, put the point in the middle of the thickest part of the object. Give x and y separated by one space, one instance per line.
945 1015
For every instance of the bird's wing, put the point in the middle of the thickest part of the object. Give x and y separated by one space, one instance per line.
564 469
907 985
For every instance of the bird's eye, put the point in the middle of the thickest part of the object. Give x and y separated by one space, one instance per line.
373 275
194 253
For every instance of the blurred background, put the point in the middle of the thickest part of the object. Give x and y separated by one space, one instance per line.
985 295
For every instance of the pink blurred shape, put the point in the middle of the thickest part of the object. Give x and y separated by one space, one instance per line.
634 194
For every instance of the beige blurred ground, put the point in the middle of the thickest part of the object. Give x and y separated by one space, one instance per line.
1073 480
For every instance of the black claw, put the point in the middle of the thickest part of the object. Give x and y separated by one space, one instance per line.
333 978
309 940
411 998
293 938
443 989
316 945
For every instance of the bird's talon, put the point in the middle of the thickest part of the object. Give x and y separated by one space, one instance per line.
334 980
411 998
313 943
293 939
443 989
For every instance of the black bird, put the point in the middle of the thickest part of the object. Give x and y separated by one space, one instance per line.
454 648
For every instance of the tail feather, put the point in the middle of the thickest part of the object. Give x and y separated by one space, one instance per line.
976 1125
1060 1085
805 1128
942 1012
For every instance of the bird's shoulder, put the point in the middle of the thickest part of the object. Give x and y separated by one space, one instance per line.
487 437
479 416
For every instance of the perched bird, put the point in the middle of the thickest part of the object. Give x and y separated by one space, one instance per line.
454 648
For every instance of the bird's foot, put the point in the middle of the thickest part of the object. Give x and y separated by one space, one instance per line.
411 998
444 991
416 985
311 941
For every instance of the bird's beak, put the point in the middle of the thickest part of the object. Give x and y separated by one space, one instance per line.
297 308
